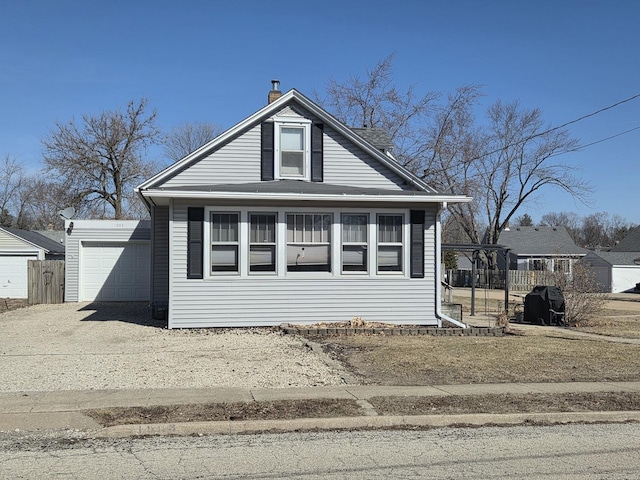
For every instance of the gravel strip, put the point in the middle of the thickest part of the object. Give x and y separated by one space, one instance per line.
85 346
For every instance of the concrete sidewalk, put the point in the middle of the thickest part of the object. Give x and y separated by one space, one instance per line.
29 411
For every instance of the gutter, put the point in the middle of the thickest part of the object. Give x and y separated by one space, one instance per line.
441 316
216 195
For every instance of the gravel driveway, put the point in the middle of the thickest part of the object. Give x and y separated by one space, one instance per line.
82 346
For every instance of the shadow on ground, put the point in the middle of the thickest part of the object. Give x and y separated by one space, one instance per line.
137 313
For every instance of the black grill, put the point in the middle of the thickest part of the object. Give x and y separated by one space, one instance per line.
544 305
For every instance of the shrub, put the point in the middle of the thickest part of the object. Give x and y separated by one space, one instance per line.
581 296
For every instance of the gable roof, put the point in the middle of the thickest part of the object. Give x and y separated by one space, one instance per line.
291 97
630 243
36 239
619 258
540 241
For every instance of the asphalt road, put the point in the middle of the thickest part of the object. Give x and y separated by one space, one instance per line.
560 452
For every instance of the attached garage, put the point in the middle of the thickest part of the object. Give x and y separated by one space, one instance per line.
108 261
115 271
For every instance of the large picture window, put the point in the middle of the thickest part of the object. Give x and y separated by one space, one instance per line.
390 247
308 242
354 242
224 242
262 242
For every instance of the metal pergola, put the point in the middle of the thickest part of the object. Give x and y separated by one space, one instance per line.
475 249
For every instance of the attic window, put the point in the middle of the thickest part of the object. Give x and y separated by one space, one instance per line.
293 158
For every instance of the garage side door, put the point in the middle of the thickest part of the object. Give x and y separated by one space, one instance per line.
113 272
13 275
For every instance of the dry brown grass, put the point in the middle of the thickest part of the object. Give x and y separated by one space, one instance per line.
390 360
283 410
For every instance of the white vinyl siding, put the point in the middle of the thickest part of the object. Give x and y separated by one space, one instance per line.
235 162
239 162
346 164
303 298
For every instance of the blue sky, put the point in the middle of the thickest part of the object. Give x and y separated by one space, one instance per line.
212 61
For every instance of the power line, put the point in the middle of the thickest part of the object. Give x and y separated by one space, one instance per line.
580 147
553 129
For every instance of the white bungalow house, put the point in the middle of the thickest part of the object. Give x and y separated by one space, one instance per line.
290 216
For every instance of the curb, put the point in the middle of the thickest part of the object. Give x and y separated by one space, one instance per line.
379 422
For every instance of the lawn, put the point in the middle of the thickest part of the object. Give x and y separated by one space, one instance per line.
427 360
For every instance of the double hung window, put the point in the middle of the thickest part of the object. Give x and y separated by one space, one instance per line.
292 152
309 242
390 246
262 242
354 242
224 242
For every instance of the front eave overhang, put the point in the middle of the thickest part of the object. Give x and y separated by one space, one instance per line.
164 196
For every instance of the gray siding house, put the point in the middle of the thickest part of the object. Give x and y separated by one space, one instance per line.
541 248
292 217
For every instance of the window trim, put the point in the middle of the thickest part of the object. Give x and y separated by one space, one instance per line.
294 122
237 243
330 243
335 244
366 244
403 244
273 272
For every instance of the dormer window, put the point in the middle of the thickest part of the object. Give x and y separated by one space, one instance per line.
292 152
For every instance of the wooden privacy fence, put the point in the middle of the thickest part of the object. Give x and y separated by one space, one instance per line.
46 281
519 280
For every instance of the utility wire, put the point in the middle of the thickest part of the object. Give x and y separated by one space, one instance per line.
580 147
562 126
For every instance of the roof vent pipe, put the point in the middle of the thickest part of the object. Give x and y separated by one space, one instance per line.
275 92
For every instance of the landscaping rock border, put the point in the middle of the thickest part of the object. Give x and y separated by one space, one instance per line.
328 331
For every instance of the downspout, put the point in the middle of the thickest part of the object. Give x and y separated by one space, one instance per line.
438 284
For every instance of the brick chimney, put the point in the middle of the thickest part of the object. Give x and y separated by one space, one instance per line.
275 92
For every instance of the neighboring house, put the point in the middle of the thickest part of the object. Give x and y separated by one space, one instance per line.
292 217
630 243
540 248
17 247
619 269
615 271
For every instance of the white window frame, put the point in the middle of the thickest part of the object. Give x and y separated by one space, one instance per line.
295 122
403 244
302 244
209 241
335 242
366 244
270 244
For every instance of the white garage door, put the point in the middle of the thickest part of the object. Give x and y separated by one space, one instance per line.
13 275
115 272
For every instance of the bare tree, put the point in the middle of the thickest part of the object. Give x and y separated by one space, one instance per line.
569 220
188 137
502 161
99 161
12 182
375 102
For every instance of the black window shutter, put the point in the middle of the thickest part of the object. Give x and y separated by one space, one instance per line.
417 243
317 153
195 241
267 155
